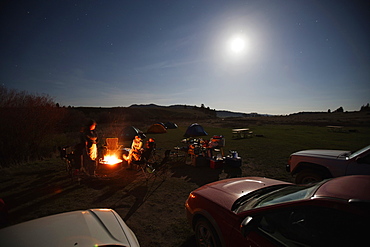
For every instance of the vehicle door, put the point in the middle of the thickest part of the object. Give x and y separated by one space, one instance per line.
304 225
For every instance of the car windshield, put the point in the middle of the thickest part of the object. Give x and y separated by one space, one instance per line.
281 195
354 154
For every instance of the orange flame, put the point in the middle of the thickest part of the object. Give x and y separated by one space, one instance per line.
111 160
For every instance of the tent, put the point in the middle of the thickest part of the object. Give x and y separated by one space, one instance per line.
162 124
129 132
156 129
195 130
170 125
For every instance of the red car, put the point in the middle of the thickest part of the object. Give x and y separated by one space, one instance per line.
254 211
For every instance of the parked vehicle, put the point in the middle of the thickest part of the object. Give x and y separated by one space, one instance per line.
93 227
254 211
315 165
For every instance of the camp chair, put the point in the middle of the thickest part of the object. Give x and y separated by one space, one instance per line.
112 146
148 157
153 166
73 159
140 162
148 161
149 151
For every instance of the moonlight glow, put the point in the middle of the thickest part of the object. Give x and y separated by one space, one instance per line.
237 44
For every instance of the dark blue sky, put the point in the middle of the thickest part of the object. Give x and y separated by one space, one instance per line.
298 55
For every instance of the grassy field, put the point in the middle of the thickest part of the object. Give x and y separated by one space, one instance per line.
267 152
155 209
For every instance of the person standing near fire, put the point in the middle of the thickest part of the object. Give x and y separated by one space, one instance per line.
89 139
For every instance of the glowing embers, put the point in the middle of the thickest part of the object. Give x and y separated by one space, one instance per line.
110 160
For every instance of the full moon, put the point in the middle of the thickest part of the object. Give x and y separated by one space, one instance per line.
237 44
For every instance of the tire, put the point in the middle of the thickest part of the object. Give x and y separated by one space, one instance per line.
308 176
205 234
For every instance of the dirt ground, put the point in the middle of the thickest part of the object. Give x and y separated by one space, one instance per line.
152 207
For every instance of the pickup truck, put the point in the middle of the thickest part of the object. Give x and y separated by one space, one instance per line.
310 166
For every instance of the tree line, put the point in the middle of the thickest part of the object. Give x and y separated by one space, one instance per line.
33 125
26 123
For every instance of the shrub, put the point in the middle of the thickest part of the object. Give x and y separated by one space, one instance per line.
27 121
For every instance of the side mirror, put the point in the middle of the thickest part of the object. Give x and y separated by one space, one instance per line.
247 225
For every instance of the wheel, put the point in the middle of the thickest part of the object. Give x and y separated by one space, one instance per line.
205 234
308 176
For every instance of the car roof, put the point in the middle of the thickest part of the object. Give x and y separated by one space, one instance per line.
354 187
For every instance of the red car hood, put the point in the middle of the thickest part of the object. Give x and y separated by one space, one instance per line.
226 192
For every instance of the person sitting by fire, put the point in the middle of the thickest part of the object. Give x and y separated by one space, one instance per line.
149 147
135 151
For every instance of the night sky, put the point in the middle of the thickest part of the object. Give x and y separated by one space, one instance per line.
288 55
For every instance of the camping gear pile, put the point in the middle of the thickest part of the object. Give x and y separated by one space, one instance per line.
209 152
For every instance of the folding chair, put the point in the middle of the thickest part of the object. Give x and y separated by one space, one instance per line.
150 167
112 146
146 160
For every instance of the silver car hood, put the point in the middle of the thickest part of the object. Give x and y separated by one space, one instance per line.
329 154
92 227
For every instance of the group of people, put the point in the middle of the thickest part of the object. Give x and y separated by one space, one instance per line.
88 151
137 152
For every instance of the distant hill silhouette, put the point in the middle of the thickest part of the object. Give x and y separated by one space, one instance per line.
152 113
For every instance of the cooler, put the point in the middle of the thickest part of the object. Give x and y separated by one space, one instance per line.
234 162
216 163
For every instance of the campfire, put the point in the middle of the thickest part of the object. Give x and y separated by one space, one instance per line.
110 160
